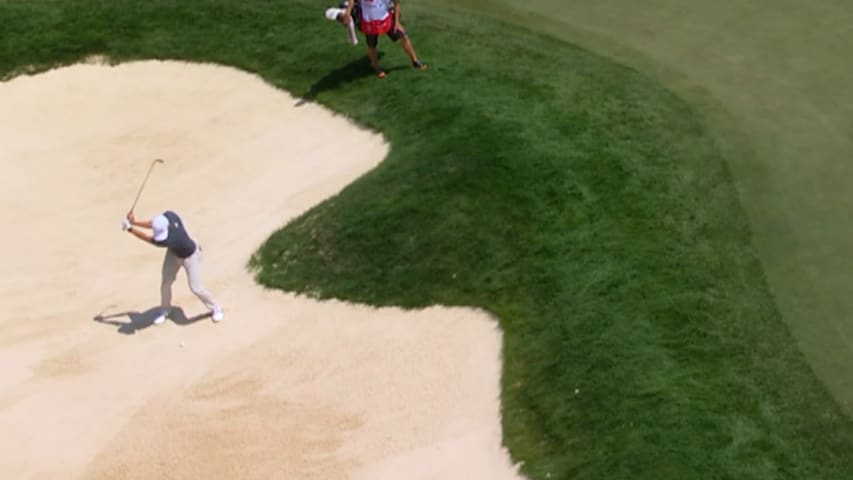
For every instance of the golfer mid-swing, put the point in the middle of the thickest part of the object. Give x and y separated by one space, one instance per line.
168 232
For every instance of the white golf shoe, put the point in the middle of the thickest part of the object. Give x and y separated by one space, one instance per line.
216 314
162 317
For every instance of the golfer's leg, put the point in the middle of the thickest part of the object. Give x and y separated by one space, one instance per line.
192 264
171 265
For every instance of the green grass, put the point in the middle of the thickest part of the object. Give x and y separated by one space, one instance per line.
765 75
578 201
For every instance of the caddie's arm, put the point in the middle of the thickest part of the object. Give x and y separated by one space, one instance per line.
348 12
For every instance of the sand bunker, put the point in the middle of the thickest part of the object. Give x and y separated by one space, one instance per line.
285 387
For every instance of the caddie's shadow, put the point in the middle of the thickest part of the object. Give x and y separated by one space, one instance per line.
351 71
135 320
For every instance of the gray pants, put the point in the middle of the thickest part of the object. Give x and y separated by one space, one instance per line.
192 265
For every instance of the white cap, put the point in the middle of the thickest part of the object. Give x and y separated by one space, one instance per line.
160 225
332 13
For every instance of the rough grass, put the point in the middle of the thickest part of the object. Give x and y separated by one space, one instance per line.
579 202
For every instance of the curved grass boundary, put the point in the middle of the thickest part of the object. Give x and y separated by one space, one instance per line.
579 202
785 94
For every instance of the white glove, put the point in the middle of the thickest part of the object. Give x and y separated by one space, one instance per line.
125 224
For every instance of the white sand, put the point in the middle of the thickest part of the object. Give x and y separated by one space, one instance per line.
285 387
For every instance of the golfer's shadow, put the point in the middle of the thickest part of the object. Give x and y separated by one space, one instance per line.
140 320
350 72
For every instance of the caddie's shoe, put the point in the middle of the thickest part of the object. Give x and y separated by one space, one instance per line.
216 314
380 72
419 65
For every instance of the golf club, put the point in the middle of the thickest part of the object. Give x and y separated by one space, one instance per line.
155 162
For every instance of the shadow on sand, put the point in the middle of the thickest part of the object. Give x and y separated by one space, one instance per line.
135 320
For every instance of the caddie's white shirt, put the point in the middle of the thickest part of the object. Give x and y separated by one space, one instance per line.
373 10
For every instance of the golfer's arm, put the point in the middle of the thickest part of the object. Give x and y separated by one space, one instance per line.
143 223
142 235
348 11
396 12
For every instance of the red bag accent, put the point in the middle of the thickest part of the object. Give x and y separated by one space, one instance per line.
376 27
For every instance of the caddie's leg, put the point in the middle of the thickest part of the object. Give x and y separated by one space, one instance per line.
406 44
372 42
407 47
373 57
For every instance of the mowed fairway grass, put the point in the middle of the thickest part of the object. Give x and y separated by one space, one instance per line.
768 77
582 204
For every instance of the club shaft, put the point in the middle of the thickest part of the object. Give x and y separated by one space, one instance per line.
144 181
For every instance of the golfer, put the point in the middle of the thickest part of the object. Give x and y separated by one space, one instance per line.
380 17
167 231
